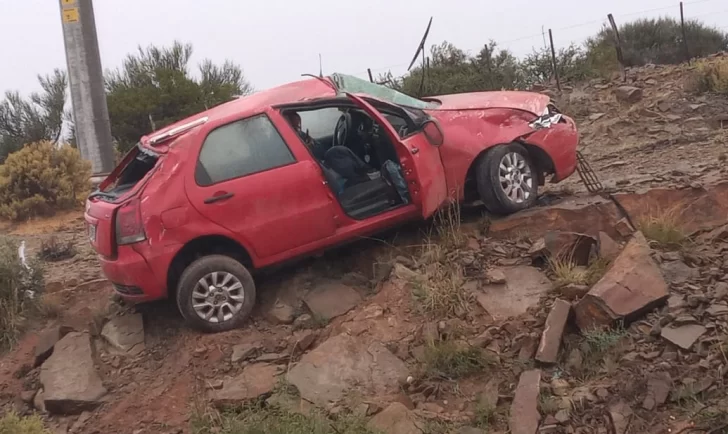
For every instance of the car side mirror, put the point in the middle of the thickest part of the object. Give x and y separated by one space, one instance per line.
433 132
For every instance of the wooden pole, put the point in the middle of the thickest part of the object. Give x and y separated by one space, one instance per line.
369 71
618 46
684 33
553 61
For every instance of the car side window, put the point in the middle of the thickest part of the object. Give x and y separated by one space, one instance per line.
241 148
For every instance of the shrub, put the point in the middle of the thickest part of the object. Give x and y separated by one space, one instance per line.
42 178
710 77
11 423
660 41
571 62
53 249
20 288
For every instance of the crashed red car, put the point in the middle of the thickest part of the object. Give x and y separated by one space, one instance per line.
193 209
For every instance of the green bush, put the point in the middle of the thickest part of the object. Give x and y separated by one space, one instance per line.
659 41
41 179
11 423
20 289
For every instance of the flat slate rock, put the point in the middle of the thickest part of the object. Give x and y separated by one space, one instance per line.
325 374
125 333
255 381
331 299
523 288
70 382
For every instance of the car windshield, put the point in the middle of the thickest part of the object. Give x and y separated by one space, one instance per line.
351 84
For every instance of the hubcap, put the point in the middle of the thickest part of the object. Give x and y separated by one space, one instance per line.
217 297
515 176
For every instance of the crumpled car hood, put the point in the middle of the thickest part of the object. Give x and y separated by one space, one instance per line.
532 102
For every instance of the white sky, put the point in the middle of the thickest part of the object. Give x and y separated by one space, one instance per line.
275 41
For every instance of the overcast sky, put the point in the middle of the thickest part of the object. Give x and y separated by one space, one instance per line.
275 41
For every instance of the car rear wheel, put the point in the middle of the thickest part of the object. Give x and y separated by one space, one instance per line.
507 179
215 293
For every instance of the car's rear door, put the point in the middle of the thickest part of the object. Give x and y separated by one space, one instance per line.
420 161
248 180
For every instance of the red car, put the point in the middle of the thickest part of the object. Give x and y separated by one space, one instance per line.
193 209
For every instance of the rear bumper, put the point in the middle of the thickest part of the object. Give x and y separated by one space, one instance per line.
132 277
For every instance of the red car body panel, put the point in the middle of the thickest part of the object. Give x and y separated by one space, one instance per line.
527 101
287 212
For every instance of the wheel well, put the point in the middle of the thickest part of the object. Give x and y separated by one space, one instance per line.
540 157
204 246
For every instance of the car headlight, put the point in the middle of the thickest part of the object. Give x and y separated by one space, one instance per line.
546 120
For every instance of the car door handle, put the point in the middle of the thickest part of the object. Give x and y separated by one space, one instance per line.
218 198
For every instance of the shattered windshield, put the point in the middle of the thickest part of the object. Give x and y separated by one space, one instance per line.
351 84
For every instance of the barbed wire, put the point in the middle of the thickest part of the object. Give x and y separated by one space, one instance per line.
509 43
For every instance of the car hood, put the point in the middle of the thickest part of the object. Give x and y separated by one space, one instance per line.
532 102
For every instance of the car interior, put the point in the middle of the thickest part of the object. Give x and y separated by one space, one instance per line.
357 157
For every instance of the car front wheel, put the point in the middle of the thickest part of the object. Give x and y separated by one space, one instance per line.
507 179
215 293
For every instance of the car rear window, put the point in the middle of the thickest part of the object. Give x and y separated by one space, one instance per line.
241 148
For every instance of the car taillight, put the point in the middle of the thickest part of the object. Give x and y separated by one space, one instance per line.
129 227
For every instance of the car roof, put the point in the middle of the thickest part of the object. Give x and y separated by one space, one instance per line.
258 102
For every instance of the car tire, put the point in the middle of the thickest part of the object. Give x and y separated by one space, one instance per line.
503 166
230 294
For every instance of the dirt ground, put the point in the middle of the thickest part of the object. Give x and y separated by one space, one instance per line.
669 139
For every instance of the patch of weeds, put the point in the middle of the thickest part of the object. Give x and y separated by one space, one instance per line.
447 223
548 404
435 426
53 249
319 321
11 423
709 77
485 416
20 288
440 293
565 272
710 416
257 419
665 228
599 341
446 359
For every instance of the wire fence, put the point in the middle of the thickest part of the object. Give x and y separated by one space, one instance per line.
681 11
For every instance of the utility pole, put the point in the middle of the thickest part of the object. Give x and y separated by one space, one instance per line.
90 113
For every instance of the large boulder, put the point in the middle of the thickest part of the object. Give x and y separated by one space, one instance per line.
71 384
628 94
632 286
325 374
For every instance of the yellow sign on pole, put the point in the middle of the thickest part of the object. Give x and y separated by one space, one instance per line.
66 3
70 15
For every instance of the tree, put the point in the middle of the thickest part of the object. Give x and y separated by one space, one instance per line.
154 88
38 118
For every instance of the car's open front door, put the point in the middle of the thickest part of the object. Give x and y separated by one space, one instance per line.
420 161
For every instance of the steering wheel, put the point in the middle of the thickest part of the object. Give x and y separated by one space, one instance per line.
342 129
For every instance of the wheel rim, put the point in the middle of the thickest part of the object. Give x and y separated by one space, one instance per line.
217 297
516 178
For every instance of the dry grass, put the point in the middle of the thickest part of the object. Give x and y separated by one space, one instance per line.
566 272
665 227
11 423
258 419
710 77
447 224
439 292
